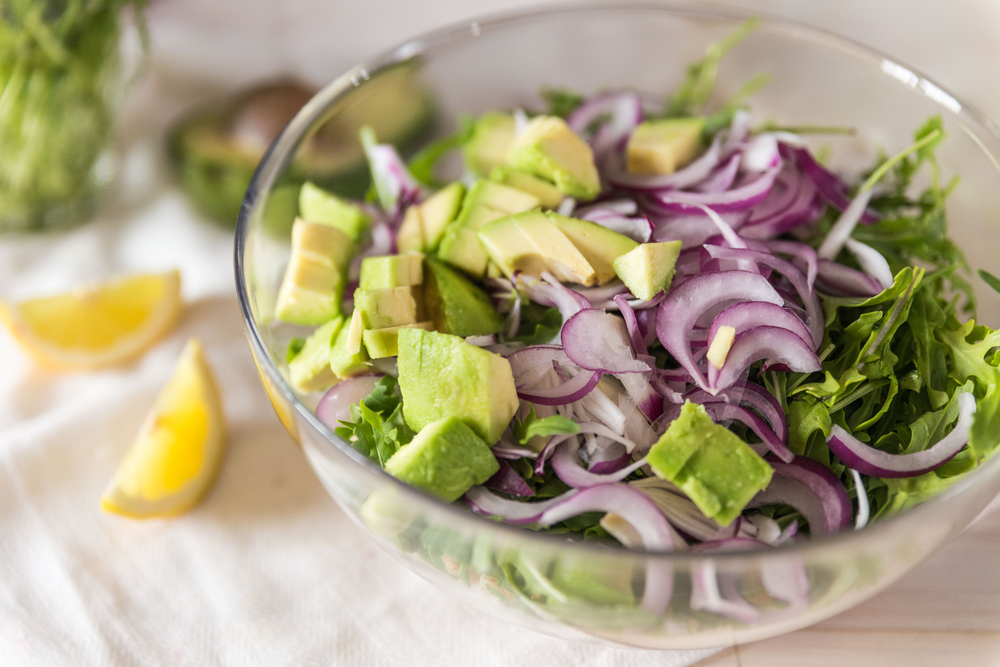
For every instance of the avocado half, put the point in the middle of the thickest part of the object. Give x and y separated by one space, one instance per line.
216 148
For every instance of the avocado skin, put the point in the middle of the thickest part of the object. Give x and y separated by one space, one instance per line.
455 304
446 459
441 375
719 472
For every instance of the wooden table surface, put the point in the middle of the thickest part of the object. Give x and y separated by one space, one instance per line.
945 613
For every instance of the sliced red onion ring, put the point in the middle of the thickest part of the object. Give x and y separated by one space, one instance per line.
522 362
604 466
686 303
761 152
705 594
481 501
872 261
839 280
694 173
618 206
641 391
567 467
598 295
793 201
693 231
801 252
811 489
621 106
747 315
392 179
775 344
637 229
335 406
570 391
722 178
754 396
723 411
550 292
841 230
508 450
594 340
814 310
861 520
830 187
638 344
506 480
874 462
739 198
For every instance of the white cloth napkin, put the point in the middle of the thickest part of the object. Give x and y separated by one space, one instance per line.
267 571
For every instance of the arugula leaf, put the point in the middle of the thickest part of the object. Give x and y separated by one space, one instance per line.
422 165
377 428
990 279
532 427
539 324
561 101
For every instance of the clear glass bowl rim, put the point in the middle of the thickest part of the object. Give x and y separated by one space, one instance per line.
283 148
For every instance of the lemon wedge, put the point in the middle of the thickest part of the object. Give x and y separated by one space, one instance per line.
96 326
177 453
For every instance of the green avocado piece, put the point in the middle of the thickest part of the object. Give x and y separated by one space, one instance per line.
343 362
381 343
663 146
549 195
318 205
445 459
600 245
424 224
531 242
310 369
484 202
649 268
391 271
381 308
313 285
441 375
455 304
711 465
487 147
548 148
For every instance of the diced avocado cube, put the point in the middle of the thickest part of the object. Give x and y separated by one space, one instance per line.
441 375
391 271
343 362
354 333
486 201
455 304
313 285
380 308
648 268
549 195
424 224
711 465
531 242
445 459
663 146
310 369
548 148
599 245
487 147
381 343
318 205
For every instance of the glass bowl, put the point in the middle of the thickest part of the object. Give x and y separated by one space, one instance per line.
582 590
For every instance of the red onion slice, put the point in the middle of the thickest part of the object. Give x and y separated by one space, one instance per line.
751 395
723 411
692 230
747 315
686 303
864 509
535 357
829 185
739 198
506 480
813 490
637 229
594 340
841 230
872 261
814 310
567 467
335 406
570 391
774 344
481 501
722 178
874 462
800 251
625 109
694 173
638 344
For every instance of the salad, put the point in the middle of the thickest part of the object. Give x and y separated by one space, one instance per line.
637 322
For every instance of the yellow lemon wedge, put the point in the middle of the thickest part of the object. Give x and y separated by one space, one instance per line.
179 449
96 326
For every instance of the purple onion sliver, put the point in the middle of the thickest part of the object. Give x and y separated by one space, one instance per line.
589 339
775 344
570 391
747 315
481 501
335 406
506 480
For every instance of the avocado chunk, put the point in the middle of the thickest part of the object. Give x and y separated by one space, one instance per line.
455 304
381 343
310 369
345 363
711 465
441 375
549 195
313 285
445 459
391 271
663 146
599 245
548 148
648 268
484 202
531 242
424 223
381 308
318 205
491 139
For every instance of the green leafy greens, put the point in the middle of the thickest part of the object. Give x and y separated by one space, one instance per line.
377 428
